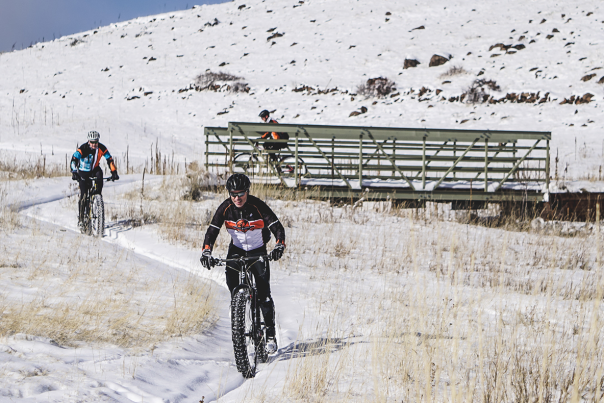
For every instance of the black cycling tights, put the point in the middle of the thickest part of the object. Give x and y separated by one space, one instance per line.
86 183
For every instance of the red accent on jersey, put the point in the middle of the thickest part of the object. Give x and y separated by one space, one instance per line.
244 225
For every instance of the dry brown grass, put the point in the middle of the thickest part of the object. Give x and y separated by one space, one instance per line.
447 312
415 307
73 290
13 169
9 218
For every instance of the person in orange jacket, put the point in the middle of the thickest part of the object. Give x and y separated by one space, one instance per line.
269 145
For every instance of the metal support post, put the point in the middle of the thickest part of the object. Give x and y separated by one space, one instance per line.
296 165
547 167
333 150
486 165
207 155
394 153
454 156
231 150
361 161
424 164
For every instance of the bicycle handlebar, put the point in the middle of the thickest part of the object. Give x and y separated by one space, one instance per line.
107 179
223 262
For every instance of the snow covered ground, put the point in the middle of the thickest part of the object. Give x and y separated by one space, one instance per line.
371 305
362 312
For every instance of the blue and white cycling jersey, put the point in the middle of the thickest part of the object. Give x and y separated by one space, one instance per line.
86 159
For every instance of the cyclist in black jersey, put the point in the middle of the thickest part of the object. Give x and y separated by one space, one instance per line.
250 222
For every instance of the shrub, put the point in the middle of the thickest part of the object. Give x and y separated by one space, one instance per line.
476 93
454 71
378 87
220 82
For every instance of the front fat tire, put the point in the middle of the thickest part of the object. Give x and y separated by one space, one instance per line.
245 356
97 222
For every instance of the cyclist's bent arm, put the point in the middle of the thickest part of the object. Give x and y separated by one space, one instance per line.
108 157
272 222
215 225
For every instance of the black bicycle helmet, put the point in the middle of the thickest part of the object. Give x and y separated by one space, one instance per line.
238 182
264 114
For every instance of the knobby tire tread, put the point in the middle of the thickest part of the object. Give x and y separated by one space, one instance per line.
98 216
247 368
261 352
85 228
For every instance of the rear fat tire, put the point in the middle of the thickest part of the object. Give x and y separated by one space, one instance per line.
97 222
245 354
248 162
85 225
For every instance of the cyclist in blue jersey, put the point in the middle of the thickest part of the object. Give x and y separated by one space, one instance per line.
85 164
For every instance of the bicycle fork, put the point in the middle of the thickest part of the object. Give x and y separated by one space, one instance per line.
256 331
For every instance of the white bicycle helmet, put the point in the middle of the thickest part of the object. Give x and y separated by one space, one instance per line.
93 135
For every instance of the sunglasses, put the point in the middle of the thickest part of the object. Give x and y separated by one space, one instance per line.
93 142
238 194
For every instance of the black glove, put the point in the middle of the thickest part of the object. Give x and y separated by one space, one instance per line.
114 176
277 252
74 175
206 259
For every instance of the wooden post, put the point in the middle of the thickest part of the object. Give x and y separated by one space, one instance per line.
361 161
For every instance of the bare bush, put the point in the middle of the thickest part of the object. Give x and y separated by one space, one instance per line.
477 94
220 82
454 71
378 87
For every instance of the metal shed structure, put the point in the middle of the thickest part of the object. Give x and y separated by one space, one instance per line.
390 163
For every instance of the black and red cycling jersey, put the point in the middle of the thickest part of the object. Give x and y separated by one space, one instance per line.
250 226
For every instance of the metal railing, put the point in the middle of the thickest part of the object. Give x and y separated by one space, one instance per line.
409 163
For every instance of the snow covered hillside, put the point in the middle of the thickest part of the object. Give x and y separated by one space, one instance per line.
135 81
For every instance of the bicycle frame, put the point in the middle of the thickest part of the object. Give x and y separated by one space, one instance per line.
85 210
246 278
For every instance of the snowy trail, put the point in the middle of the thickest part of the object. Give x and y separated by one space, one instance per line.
204 366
